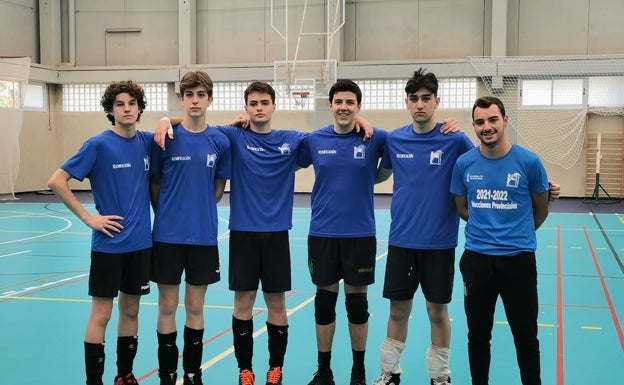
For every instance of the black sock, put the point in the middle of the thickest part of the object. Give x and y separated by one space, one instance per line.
324 360
167 353
278 339
193 350
94 363
243 342
126 351
358 363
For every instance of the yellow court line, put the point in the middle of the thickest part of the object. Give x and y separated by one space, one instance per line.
260 331
540 325
591 328
621 219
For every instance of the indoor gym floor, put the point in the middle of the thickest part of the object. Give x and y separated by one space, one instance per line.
44 267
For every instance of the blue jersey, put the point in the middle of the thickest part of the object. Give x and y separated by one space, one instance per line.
499 193
186 212
345 169
118 170
263 178
422 209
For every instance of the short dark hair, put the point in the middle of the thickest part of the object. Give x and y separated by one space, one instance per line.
125 86
422 79
261 88
486 102
195 79
346 85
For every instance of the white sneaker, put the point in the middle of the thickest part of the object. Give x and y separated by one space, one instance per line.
388 379
444 382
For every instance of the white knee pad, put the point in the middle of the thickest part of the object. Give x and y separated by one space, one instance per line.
390 356
438 362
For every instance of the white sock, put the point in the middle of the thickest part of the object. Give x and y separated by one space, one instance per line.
390 356
438 363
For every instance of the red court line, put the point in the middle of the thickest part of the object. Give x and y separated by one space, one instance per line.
560 366
209 340
605 289
49 276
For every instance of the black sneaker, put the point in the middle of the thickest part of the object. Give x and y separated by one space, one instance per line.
128 379
168 379
436 382
323 377
193 379
388 379
358 378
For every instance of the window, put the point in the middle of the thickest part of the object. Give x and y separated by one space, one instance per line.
10 96
389 94
36 97
156 96
552 93
228 96
87 97
606 91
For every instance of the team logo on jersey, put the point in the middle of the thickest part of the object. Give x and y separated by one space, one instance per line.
284 149
435 158
513 180
211 159
146 163
470 177
359 152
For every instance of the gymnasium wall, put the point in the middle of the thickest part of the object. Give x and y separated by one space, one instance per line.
98 41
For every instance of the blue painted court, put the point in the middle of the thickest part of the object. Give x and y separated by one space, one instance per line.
44 262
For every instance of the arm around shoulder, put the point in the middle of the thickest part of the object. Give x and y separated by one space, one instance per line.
540 208
461 205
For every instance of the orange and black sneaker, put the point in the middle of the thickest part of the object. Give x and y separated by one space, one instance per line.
128 379
274 376
246 377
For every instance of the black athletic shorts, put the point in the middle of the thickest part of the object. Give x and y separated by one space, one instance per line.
111 273
433 270
259 257
199 263
333 259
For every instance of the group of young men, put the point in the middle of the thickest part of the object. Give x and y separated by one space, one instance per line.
500 189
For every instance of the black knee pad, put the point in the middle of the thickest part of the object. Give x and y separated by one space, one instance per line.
357 308
325 307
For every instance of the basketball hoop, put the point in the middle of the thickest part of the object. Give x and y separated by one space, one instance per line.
301 98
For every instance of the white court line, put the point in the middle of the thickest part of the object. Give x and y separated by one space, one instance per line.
32 288
68 224
259 332
17 253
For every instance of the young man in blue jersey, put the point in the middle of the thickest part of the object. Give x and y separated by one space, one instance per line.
421 252
501 190
341 241
188 179
117 163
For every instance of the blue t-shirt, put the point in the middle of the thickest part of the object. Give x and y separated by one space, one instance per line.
499 194
118 170
422 208
345 169
186 212
263 178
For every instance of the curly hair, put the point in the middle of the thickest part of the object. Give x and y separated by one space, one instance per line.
115 88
